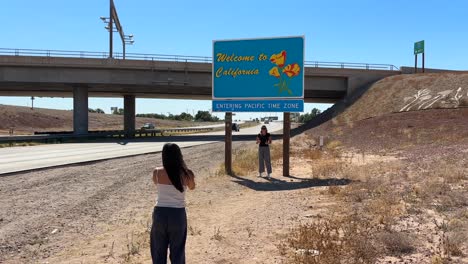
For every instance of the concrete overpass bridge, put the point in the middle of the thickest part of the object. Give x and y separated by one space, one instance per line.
81 75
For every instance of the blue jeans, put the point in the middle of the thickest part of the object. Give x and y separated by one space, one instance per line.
169 230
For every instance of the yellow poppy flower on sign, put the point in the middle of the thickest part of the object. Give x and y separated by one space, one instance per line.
274 72
292 70
279 58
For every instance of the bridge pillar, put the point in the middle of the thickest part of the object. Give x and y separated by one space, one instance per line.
80 110
129 115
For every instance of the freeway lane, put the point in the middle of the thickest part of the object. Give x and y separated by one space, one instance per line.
17 159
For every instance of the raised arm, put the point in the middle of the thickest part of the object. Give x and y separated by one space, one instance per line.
190 179
155 176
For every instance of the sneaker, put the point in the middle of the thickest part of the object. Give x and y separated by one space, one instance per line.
260 174
269 176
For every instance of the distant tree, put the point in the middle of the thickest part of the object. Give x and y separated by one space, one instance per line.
184 117
119 111
315 112
157 116
309 116
205 116
97 110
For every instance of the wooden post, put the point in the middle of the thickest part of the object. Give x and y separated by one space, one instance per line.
423 62
286 137
228 144
415 63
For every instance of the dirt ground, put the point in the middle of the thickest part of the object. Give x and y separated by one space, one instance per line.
94 213
101 212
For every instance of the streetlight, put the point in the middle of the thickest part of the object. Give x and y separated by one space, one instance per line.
128 40
110 21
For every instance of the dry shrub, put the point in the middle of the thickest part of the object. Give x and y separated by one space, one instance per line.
333 189
452 200
333 144
311 153
334 240
432 188
439 260
450 173
276 151
397 243
457 225
354 193
245 161
328 168
385 208
359 173
453 243
136 242
337 131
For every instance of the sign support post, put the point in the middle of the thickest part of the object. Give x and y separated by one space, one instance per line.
418 48
286 139
228 144
423 62
415 63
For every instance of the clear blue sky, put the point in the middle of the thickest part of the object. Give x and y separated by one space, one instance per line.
352 31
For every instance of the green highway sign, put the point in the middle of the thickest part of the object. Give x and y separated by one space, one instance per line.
419 47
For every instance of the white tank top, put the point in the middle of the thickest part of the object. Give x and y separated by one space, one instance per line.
169 196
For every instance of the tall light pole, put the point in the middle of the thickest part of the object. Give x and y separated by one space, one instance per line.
127 40
110 21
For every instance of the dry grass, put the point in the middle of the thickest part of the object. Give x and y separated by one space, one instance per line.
373 208
327 168
135 242
217 234
334 144
245 160
397 243
22 144
347 240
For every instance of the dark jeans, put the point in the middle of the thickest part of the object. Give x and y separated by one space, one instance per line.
169 230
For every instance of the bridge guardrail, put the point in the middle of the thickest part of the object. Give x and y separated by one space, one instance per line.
177 58
68 135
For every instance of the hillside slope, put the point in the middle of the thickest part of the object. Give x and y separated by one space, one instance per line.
410 92
27 121
403 110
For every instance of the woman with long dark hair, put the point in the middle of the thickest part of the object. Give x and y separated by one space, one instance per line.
169 229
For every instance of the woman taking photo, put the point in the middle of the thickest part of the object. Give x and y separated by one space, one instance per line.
169 229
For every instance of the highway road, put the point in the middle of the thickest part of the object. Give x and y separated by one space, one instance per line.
212 126
17 159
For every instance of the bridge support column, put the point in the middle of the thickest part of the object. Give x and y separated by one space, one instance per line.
80 110
129 115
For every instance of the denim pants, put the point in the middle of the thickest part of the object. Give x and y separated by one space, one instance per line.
264 157
169 230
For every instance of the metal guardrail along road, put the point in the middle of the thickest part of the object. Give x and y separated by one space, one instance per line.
177 58
66 135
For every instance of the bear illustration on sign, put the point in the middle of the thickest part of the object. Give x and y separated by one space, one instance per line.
290 70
